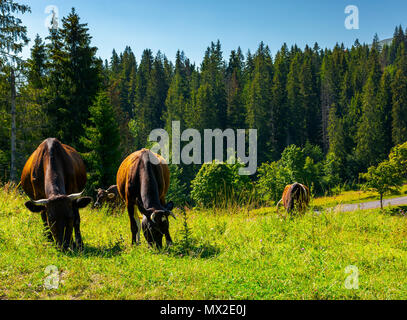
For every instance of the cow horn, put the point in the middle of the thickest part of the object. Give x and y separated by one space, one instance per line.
75 196
40 202
152 217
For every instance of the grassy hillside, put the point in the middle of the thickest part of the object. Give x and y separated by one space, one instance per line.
238 254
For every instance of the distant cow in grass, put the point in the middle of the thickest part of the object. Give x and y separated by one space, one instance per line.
110 197
54 177
295 196
143 179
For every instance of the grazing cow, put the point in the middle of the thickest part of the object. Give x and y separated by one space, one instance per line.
54 177
109 196
295 195
143 179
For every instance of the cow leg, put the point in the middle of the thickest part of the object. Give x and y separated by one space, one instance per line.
147 232
134 225
137 218
76 226
158 239
168 238
47 231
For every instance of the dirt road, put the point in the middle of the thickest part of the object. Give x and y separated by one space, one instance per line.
372 204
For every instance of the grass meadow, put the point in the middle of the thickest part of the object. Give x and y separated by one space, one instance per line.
225 254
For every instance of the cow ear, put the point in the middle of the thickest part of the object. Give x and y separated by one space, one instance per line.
82 202
170 206
33 207
111 195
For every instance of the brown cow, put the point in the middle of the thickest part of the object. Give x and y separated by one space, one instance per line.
143 179
54 177
109 196
295 195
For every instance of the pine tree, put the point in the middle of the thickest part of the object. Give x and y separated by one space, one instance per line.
102 139
278 125
75 78
13 35
310 100
384 106
234 89
37 64
258 99
211 96
399 93
81 77
295 105
371 147
178 94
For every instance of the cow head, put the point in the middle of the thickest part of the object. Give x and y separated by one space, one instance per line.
103 196
61 211
158 219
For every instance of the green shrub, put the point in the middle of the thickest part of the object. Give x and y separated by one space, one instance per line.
272 179
219 184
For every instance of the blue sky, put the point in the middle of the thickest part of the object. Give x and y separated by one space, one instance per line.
191 25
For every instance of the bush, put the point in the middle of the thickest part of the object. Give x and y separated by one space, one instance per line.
272 179
219 184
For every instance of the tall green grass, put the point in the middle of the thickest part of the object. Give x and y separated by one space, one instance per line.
228 254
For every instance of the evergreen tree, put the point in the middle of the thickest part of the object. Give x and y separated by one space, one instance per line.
258 99
178 94
102 139
296 113
82 77
234 90
37 64
384 106
75 78
278 125
310 100
211 104
399 93
13 35
371 147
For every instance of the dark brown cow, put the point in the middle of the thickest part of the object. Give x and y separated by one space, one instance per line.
143 180
54 177
295 195
110 196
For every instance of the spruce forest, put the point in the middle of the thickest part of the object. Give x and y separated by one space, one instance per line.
344 108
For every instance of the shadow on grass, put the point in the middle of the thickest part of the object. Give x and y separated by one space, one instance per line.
400 211
191 249
107 252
